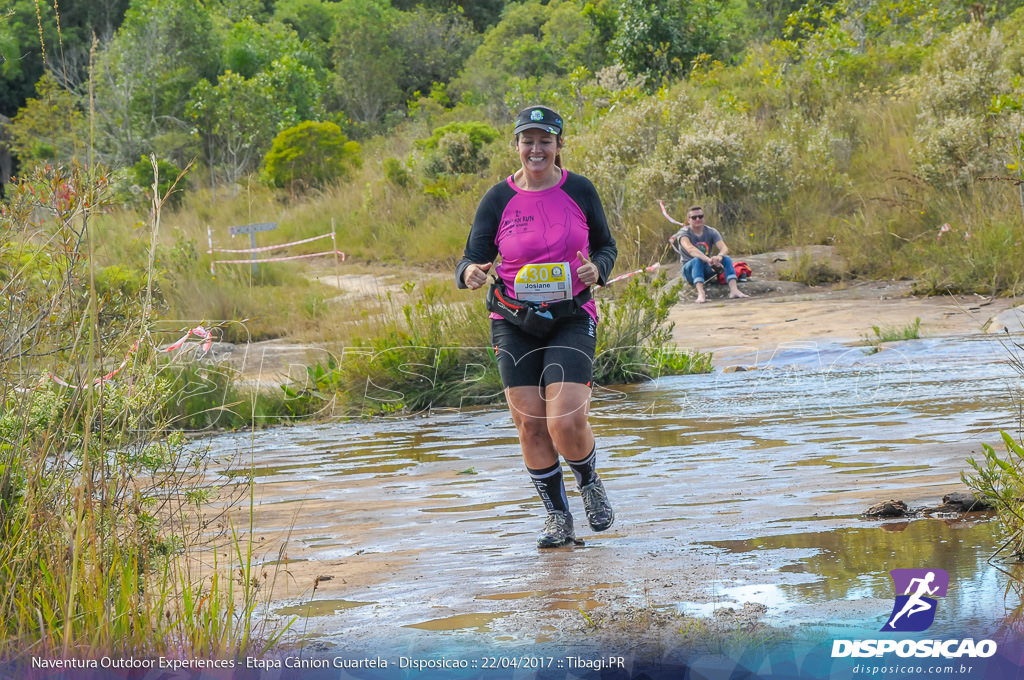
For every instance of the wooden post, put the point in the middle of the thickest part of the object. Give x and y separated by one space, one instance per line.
209 238
252 255
334 243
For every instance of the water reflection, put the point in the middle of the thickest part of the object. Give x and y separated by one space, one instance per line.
854 564
728 487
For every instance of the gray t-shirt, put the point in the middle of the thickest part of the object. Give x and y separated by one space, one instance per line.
705 242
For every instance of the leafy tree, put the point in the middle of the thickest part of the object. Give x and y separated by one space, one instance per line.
660 39
250 47
383 56
366 61
237 10
511 49
312 20
22 53
532 49
237 119
145 74
231 121
9 58
311 154
297 90
23 58
770 16
481 13
432 45
50 126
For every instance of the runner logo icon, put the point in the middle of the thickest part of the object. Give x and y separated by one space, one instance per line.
914 608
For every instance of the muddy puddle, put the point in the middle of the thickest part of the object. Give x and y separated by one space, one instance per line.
748 486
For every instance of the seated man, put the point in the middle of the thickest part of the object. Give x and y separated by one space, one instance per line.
693 243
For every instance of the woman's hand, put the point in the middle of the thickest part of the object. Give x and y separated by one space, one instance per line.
587 272
475 275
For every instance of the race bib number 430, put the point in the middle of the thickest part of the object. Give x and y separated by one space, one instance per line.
544 282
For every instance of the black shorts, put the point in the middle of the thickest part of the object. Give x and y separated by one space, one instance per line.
567 355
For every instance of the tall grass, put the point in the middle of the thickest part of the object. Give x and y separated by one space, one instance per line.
998 477
808 271
433 354
101 510
846 169
894 333
426 355
636 341
825 139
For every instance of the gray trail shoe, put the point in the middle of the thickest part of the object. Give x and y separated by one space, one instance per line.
595 502
558 531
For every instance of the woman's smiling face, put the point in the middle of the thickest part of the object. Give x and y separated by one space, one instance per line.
537 150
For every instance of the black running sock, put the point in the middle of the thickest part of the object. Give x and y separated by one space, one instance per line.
585 471
550 487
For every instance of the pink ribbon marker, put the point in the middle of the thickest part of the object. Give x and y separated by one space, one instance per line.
198 331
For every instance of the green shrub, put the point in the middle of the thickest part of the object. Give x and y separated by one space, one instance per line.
635 339
310 154
999 480
396 173
894 334
203 397
429 355
957 85
707 155
457 148
142 175
810 272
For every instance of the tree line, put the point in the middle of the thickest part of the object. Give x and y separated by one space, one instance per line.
217 80
288 87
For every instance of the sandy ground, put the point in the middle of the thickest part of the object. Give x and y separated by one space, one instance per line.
782 312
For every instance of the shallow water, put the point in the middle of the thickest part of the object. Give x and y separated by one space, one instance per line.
729 488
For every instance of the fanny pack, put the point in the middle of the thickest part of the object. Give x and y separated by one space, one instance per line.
535 318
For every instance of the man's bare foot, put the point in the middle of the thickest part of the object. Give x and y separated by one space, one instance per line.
700 292
701 299
734 290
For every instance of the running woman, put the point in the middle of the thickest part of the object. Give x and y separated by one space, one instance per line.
549 228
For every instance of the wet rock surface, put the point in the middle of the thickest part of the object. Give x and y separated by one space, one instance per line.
704 471
962 501
956 502
889 508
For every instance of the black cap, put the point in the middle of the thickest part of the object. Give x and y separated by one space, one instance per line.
540 117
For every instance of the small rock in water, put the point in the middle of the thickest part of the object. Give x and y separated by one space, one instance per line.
963 501
889 508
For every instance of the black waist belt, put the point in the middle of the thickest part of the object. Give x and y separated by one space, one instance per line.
535 318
